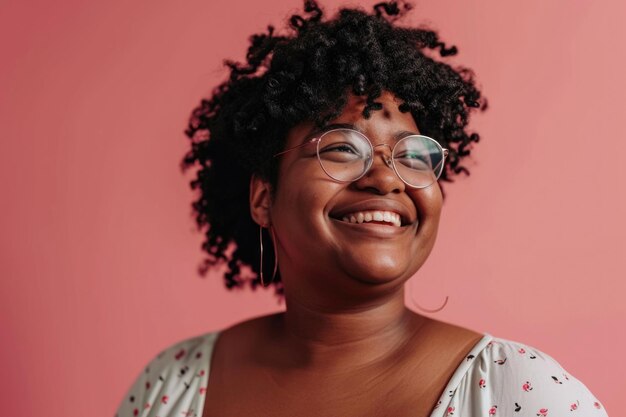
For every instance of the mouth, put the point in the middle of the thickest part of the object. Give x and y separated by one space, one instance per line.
384 215
380 217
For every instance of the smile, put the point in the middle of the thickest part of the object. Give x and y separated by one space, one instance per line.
374 216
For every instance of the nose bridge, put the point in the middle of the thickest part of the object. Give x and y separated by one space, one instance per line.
382 181
386 158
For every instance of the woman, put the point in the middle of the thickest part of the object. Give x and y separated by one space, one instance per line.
333 140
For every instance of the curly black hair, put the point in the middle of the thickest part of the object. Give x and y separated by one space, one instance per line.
304 75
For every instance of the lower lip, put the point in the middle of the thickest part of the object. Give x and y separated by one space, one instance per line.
373 229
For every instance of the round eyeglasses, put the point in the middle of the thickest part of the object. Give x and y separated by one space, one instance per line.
346 155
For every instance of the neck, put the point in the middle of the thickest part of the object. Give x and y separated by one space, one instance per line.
324 337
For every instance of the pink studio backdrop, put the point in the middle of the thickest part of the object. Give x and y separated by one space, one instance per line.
98 251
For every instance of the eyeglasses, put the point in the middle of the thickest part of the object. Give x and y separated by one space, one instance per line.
346 155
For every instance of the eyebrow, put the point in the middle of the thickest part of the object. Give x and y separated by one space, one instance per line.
320 130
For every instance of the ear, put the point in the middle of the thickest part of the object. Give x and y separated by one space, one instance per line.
260 201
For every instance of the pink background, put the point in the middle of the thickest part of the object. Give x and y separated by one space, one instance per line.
98 251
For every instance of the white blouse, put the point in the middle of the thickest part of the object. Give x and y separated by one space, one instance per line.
498 378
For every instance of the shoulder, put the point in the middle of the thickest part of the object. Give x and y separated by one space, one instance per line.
172 381
517 377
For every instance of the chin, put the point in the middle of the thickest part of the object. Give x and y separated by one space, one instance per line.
379 273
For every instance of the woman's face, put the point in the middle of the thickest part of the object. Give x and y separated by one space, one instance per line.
318 250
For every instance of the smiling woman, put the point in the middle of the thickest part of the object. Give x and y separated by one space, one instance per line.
335 137
308 220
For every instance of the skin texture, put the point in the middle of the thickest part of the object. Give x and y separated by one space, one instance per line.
346 345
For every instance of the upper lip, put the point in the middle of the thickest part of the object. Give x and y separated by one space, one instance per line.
375 204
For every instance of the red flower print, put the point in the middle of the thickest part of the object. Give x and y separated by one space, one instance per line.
527 387
180 354
597 405
136 412
146 405
574 406
450 411
201 373
492 410
482 383
543 412
521 350
164 399
202 390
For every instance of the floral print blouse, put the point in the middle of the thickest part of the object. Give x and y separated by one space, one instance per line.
498 378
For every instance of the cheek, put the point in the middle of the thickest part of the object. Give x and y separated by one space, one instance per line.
300 219
304 181
302 197
304 203
428 201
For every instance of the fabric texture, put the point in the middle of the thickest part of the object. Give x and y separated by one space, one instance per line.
498 378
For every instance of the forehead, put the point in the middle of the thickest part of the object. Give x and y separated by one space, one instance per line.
382 125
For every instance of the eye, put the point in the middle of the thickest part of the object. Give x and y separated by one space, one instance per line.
340 147
343 145
412 155
414 160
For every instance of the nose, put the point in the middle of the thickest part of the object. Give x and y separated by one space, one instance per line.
381 178
386 158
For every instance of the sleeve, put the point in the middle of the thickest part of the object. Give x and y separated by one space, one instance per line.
173 383
529 382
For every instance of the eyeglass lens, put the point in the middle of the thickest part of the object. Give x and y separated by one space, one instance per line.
346 155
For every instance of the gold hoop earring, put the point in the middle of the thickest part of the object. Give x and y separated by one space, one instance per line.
261 255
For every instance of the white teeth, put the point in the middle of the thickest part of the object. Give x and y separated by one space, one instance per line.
368 216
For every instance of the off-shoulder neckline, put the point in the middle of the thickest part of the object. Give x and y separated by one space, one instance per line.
451 386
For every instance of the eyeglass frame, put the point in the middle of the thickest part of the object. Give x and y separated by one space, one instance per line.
388 161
